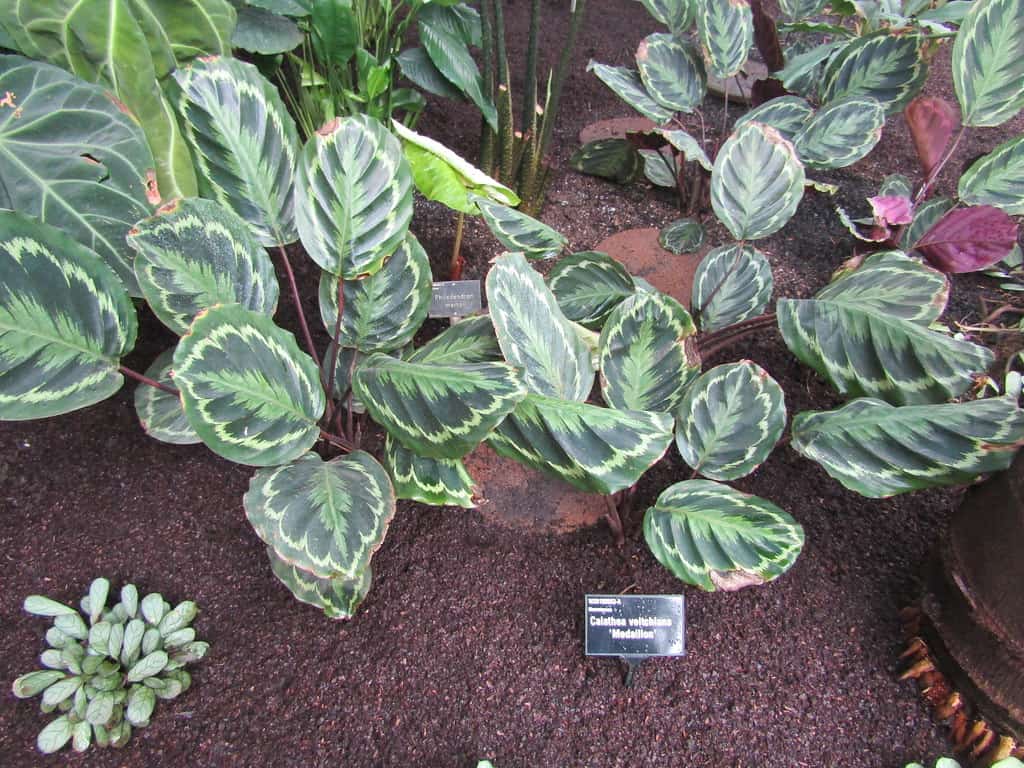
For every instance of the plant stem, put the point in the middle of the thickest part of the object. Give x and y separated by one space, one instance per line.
337 441
298 306
614 521
934 175
718 340
455 266
146 380
337 347
530 83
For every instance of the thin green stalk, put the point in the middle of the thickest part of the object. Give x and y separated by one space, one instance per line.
530 84
551 113
499 39
337 346
487 136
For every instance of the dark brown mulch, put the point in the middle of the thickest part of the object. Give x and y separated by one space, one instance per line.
470 643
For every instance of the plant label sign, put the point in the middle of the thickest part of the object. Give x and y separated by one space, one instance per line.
635 626
455 298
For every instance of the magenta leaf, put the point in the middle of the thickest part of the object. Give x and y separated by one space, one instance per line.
932 123
891 209
968 239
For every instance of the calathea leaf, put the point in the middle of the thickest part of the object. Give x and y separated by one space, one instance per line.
196 253
588 286
932 122
729 420
628 86
988 62
248 390
714 537
354 196
681 236
786 114
82 167
160 413
968 239
692 151
840 133
440 482
437 411
886 67
613 159
801 9
470 340
677 15
533 333
600 450
345 362
867 334
647 353
997 179
671 72
802 71
878 450
65 322
660 167
338 598
925 216
519 232
731 284
325 517
726 32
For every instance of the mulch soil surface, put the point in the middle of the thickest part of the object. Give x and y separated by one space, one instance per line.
469 645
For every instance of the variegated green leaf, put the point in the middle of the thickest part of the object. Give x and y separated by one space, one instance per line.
729 420
600 450
628 86
65 322
159 412
382 311
681 236
886 67
840 133
71 158
715 537
614 159
925 216
519 232
677 15
660 167
692 151
805 63
801 9
786 114
354 196
878 450
533 333
324 517
731 284
671 72
867 334
194 254
757 182
437 411
441 482
338 598
470 340
647 353
244 142
345 363
988 62
997 179
726 30
249 392
588 286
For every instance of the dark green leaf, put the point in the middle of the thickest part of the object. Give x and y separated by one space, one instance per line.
628 86
840 133
519 232
470 340
786 114
417 66
261 31
886 67
588 286
988 62
997 179
726 31
441 482
613 159
335 31
731 284
681 236
338 598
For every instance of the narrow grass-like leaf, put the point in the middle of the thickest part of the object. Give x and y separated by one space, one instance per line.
338 598
726 30
614 159
588 286
671 72
519 232
886 67
988 62
681 236
786 114
840 133
731 284
715 537
878 450
160 413
997 179
628 86
470 340
440 482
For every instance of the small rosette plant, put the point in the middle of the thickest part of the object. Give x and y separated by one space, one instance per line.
104 674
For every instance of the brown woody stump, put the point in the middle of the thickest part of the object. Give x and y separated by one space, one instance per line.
642 255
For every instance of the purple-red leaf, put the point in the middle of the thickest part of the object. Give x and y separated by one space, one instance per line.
968 239
891 209
932 123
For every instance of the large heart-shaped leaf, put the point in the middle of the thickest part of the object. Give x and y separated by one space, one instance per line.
886 67
338 598
628 86
997 179
878 450
519 232
437 411
968 239
324 517
588 286
714 537
729 420
470 340
249 392
867 334
69 156
353 197
417 67
196 253
786 114
65 322
647 353
261 31
441 482
840 133
160 413
726 31
382 311
244 141
671 72
757 182
988 62
731 284
600 450
533 333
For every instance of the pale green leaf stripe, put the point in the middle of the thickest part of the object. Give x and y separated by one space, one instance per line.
441 482
519 232
588 286
671 72
249 392
647 353
194 254
997 179
786 114
353 197
323 517
244 142
160 413
731 284
677 15
715 537
437 411
533 333
338 598
886 67
600 450
729 420
65 322
47 144
627 85
470 340
840 133
382 311
878 450
726 31
988 62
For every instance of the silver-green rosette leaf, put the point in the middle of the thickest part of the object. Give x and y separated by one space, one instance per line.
338 598
588 286
439 482
160 412
731 284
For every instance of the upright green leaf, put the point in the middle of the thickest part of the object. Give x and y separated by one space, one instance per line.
354 196
878 450
324 517
997 179
533 333
261 31
840 133
786 114
715 537
886 67
726 31
628 86
441 482
416 65
988 62
194 254
188 28
244 141
677 15
338 598
519 232
65 322
248 391
470 340
671 72
69 156
731 284
588 286
160 413
335 31
691 149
